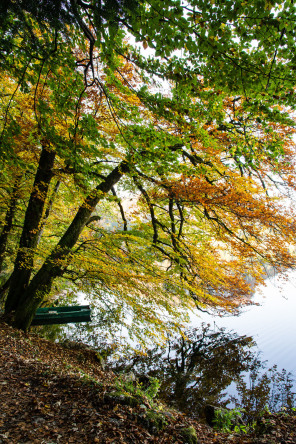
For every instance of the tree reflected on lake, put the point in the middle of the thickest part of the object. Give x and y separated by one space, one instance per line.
213 366
270 389
202 366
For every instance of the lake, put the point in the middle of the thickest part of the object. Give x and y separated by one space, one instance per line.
228 361
272 324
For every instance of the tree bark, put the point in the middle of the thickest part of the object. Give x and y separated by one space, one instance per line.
8 222
55 263
4 289
48 210
25 256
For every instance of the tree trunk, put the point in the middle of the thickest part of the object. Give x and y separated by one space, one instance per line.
9 220
25 256
4 289
48 210
55 263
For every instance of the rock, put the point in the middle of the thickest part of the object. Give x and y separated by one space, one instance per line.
144 380
169 415
117 398
75 345
189 435
209 411
86 352
129 377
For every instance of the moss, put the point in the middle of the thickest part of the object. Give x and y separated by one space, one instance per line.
154 421
189 435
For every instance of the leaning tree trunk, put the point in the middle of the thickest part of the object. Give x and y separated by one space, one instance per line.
55 263
29 239
48 210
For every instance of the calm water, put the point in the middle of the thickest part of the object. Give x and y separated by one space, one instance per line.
272 324
244 361
225 360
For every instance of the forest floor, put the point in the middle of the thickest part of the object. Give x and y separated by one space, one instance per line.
51 393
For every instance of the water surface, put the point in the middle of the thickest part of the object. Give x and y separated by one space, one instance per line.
272 324
247 360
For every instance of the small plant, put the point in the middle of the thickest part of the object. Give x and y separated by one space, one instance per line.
134 388
230 420
152 390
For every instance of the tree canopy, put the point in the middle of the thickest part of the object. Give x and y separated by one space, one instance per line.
147 152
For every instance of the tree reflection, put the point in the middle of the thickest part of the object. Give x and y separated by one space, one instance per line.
271 389
202 366
196 369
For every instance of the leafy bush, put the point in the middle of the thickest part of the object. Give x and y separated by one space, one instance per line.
134 388
230 420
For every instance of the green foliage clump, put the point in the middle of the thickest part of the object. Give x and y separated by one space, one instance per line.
230 420
136 394
154 421
137 390
189 435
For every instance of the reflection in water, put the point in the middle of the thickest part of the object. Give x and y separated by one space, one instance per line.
94 333
197 370
271 389
206 366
